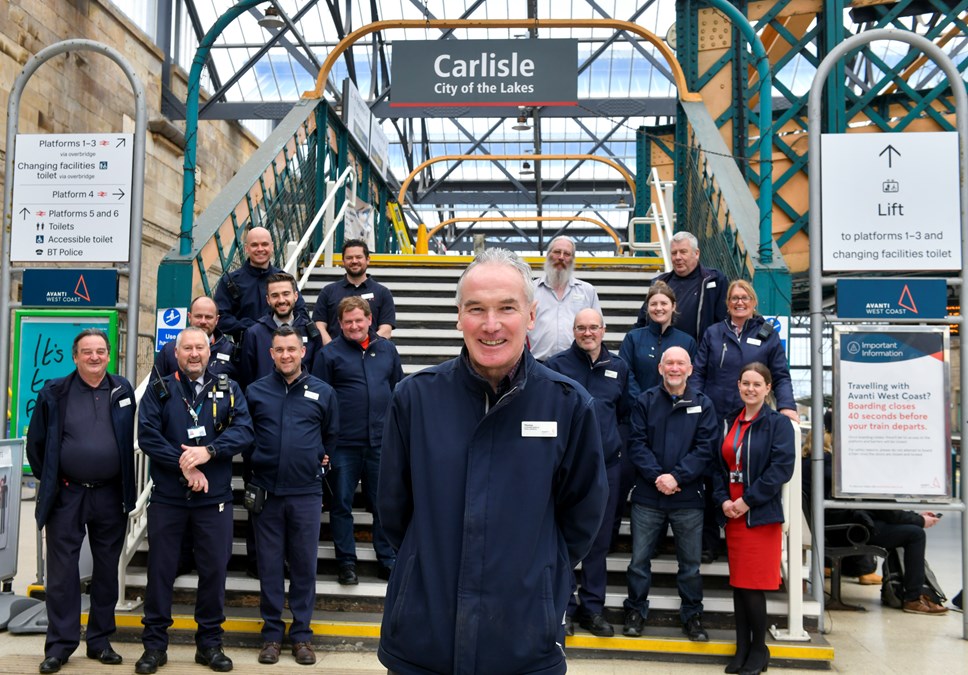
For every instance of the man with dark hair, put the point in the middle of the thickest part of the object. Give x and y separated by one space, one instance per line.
700 291
240 294
281 296
356 282
363 368
202 313
295 417
190 429
492 489
80 444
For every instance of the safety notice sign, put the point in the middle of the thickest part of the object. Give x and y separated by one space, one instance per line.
71 198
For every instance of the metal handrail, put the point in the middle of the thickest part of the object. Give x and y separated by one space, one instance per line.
332 189
658 215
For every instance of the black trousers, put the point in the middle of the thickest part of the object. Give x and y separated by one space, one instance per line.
97 512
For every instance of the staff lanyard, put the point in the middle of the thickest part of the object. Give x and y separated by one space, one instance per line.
738 438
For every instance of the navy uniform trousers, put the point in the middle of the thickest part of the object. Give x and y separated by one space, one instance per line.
98 512
288 528
593 576
211 528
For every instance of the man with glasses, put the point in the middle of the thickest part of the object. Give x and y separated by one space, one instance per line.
606 377
559 296
700 291
80 444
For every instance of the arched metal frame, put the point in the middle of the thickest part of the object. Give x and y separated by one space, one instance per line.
511 219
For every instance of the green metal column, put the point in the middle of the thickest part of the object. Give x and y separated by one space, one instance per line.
835 93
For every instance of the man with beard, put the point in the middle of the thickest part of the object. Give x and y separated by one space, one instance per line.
282 296
560 296
700 291
240 295
356 259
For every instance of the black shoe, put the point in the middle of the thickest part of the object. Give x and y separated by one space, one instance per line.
151 661
757 662
51 664
214 658
384 572
569 626
634 623
694 630
708 557
596 624
347 576
107 656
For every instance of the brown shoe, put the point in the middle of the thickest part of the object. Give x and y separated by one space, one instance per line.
270 652
872 579
923 605
303 651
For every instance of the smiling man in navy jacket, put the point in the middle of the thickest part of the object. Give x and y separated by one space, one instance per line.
80 444
674 438
190 427
363 368
492 489
606 377
295 417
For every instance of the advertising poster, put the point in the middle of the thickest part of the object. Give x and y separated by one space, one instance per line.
892 435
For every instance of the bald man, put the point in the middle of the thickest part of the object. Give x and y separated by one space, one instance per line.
674 438
241 295
203 313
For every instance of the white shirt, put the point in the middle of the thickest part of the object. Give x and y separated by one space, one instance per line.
555 319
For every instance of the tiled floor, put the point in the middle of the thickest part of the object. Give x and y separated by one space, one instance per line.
881 640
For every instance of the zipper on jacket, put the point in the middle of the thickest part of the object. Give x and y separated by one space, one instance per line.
722 357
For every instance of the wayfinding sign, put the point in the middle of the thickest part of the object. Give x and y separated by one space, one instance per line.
888 299
485 73
890 202
71 198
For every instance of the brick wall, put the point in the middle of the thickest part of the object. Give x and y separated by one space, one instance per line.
83 92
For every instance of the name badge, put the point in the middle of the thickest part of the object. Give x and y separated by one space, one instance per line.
305 339
711 284
311 394
539 429
220 394
222 357
124 403
611 373
754 342
367 296
693 409
196 432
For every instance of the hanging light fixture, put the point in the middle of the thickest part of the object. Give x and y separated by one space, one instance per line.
522 124
622 204
526 169
271 19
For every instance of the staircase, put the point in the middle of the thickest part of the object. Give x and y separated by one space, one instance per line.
426 335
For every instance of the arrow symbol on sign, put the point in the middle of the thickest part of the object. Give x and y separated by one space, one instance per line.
121 142
24 212
119 194
889 149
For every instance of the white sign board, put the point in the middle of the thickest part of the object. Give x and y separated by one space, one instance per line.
379 148
169 322
891 412
890 202
71 198
356 115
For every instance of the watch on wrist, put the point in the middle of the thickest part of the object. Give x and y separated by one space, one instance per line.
211 451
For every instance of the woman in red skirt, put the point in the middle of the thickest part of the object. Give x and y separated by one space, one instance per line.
756 460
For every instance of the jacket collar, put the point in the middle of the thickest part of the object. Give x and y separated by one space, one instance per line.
604 356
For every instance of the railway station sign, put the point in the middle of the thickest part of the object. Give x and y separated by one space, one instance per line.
890 202
58 287
484 73
888 299
71 198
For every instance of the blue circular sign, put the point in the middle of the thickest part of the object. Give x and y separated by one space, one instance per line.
171 317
